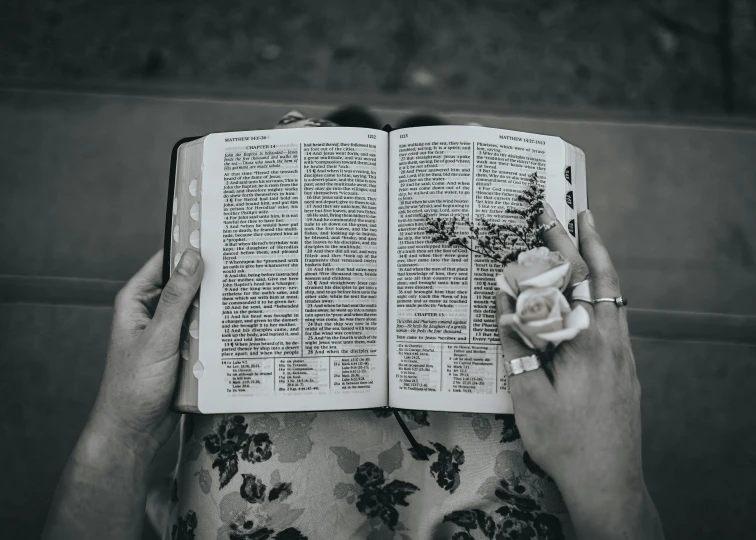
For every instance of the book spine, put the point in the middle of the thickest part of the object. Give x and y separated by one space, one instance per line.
184 233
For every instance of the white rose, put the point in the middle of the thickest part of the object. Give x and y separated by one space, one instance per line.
535 268
543 316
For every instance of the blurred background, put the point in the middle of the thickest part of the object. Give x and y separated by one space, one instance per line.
661 95
568 56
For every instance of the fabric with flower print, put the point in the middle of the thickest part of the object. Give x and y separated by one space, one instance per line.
354 474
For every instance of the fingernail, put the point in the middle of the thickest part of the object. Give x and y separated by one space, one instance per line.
188 263
549 210
589 217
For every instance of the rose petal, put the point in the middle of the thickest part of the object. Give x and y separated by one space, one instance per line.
503 284
535 342
527 268
574 323
511 319
534 331
556 310
540 252
565 334
523 334
508 319
543 323
512 282
528 295
577 318
556 277
564 305
548 298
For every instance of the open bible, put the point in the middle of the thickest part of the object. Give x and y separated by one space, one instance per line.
323 288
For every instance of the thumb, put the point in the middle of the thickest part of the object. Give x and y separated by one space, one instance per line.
175 300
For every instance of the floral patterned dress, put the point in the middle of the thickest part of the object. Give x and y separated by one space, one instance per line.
354 474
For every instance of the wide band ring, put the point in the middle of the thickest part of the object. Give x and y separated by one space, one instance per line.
521 365
619 301
581 291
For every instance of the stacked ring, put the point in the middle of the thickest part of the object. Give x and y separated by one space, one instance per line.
582 291
619 301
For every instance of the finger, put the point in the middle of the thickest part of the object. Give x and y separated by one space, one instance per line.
165 328
150 276
525 384
145 284
557 239
604 279
134 301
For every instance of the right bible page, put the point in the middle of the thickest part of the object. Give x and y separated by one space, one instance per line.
444 351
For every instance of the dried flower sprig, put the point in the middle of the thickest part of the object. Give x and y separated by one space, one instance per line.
502 243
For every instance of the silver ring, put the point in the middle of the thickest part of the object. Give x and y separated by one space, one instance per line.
521 365
581 291
619 301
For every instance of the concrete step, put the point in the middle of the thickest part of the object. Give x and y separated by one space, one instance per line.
698 426
87 174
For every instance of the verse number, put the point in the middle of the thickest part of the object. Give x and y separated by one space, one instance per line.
371 136
403 135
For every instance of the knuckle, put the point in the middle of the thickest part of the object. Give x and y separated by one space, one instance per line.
590 338
120 298
609 279
579 269
172 294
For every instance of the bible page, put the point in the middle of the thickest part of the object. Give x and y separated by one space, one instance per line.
293 299
444 351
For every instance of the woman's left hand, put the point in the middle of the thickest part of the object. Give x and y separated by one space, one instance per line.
143 355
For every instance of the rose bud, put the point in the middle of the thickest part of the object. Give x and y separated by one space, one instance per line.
535 268
543 317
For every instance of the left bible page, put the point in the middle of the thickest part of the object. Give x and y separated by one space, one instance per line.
293 303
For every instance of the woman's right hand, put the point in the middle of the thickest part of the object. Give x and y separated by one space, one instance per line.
581 422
